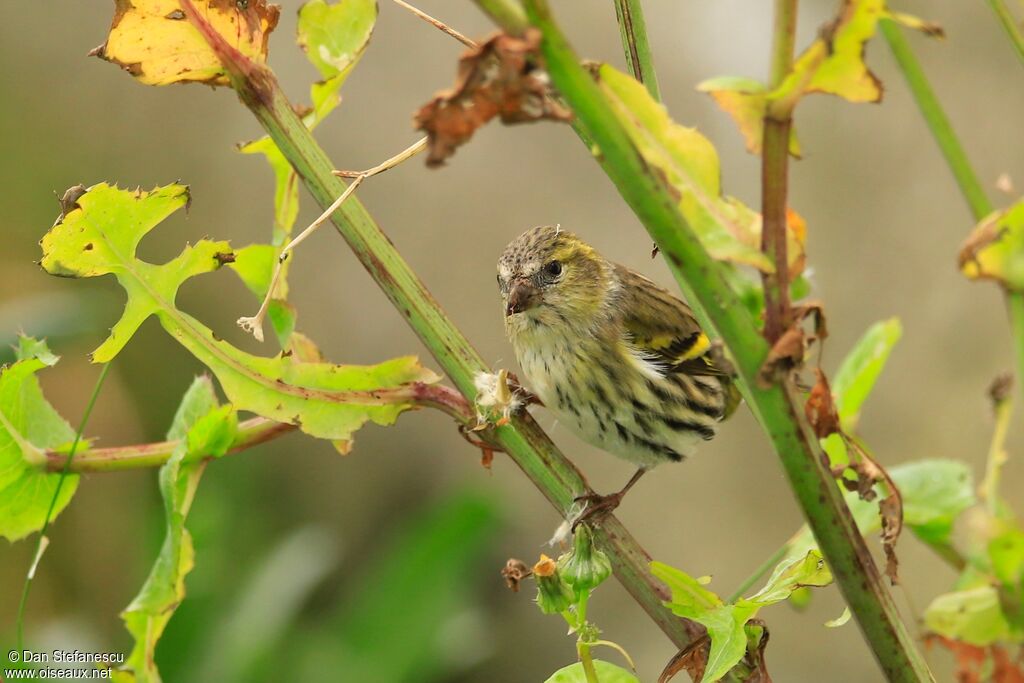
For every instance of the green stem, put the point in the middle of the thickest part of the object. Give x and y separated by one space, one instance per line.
119 458
936 119
633 29
583 650
1010 25
53 504
758 573
779 408
508 14
528 446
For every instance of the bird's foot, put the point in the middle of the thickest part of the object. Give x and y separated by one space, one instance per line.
597 507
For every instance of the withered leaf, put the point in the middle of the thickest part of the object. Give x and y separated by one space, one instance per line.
784 356
175 41
973 661
821 409
754 659
692 660
500 77
514 572
890 508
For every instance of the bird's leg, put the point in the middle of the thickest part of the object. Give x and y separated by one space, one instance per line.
525 395
599 506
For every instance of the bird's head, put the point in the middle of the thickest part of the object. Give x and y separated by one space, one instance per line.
550 278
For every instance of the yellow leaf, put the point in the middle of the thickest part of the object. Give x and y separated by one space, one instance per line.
995 249
175 41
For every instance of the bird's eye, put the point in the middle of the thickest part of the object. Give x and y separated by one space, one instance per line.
553 268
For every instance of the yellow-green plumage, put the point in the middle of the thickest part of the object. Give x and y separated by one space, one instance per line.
617 358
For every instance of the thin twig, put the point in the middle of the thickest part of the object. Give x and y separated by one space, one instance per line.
437 24
254 324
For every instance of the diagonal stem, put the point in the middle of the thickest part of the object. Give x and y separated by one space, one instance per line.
779 408
531 449
1011 25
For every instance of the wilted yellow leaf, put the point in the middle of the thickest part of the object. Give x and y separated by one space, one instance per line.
175 41
995 249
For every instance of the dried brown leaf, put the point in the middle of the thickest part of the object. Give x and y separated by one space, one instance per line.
500 77
754 660
973 661
820 407
692 660
786 355
515 571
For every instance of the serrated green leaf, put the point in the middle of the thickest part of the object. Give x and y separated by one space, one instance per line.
745 101
205 429
728 229
324 400
860 369
606 673
29 426
995 249
286 188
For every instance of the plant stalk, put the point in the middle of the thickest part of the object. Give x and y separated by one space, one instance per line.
1010 25
775 177
633 29
779 408
938 122
522 439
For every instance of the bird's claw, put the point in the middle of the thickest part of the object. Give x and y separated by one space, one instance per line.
597 507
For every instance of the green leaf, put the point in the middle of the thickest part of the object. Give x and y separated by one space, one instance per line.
860 369
934 492
790 574
606 673
286 188
1006 553
205 430
725 622
327 401
973 616
689 597
728 229
995 249
29 426
841 620
334 38
745 100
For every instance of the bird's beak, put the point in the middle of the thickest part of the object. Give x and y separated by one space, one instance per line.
523 296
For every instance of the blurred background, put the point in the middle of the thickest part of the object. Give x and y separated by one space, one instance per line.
383 565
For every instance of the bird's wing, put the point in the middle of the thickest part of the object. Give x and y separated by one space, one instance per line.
663 326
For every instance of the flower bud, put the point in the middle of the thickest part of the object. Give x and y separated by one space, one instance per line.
585 567
553 594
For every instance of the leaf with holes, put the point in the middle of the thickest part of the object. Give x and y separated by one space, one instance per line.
100 236
160 42
29 426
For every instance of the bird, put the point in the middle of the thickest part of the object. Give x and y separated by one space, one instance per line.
617 358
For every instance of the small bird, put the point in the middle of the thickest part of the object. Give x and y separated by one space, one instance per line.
616 357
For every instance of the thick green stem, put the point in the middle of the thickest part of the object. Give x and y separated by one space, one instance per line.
508 14
1010 25
528 446
635 44
778 407
936 119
